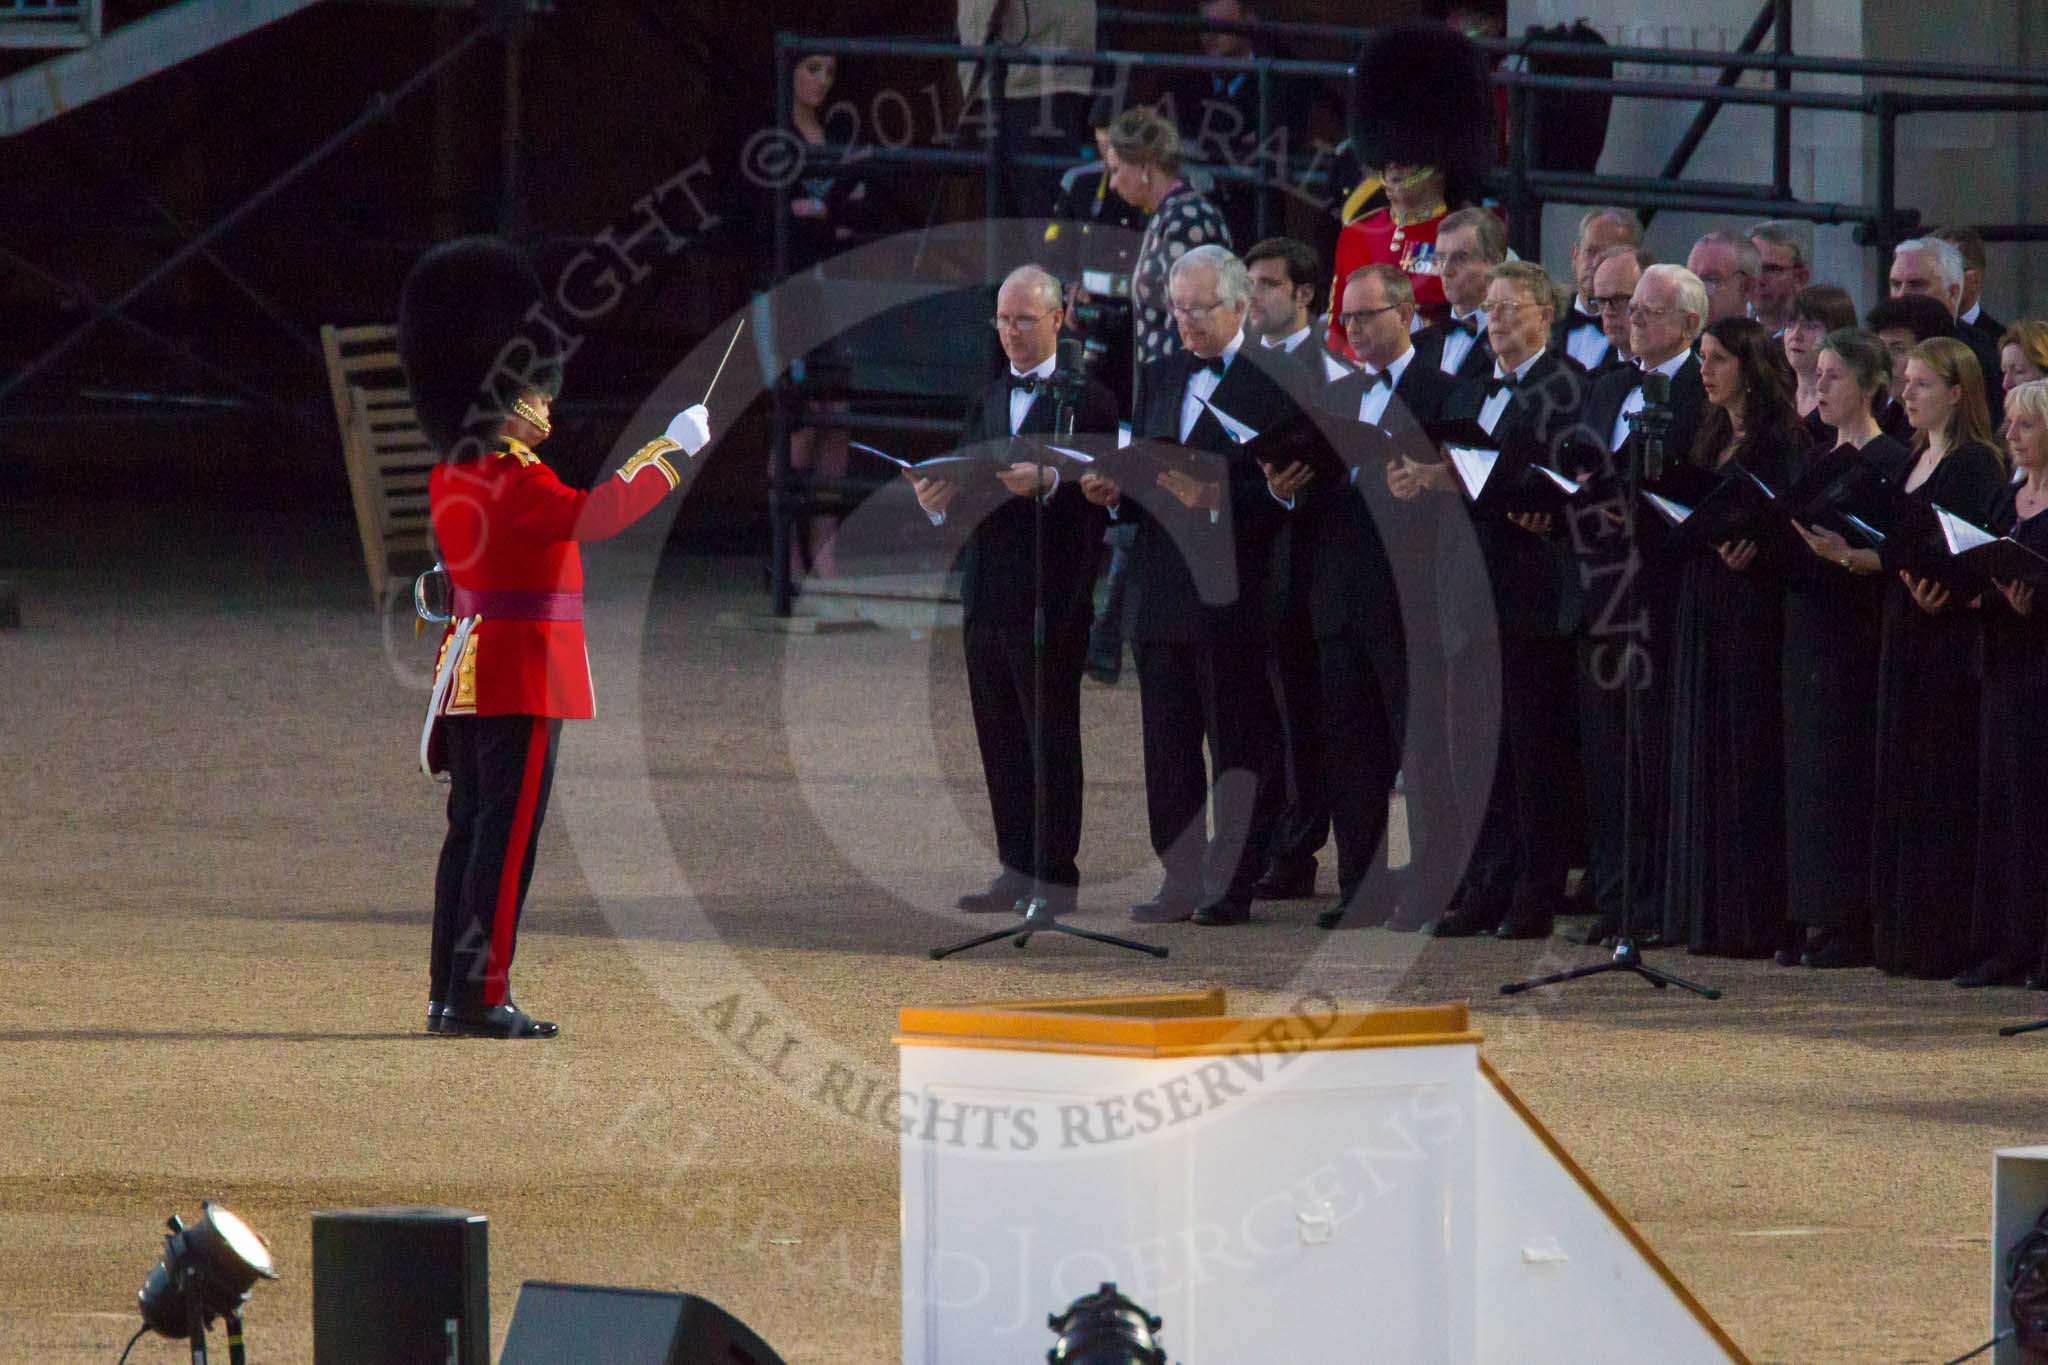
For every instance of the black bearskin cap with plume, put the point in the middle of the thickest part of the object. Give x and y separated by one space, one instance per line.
1421 97
464 341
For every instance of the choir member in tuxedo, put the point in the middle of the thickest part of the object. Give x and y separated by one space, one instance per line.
1374 627
2012 814
1284 274
1615 276
1515 882
1194 604
1724 869
1934 268
1579 333
997 587
1969 244
1902 323
1469 243
1922 837
2023 353
1833 606
1817 311
1783 269
1620 649
1728 266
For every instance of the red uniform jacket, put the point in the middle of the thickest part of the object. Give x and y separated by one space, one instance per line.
1376 239
508 530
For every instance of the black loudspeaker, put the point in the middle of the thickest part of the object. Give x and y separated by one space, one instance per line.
561 1324
401 1287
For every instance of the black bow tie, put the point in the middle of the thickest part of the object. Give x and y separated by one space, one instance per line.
1498 385
1215 365
1027 382
1469 326
1373 381
1584 319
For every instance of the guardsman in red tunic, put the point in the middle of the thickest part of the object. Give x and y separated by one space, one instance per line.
1425 120
512 665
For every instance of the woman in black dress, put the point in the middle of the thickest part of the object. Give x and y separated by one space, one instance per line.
2010 908
1833 605
1724 879
1923 838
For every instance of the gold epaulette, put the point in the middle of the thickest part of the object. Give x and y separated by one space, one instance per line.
1355 203
653 453
517 450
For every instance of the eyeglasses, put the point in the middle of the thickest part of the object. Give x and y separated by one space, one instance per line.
1022 322
1359 317
1641 312
1773 268
1507 310
1189 312
1713 282
1610 303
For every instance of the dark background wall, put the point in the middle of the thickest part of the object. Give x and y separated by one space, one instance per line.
614 98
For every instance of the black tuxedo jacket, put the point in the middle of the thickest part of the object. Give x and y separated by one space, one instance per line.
1611 388
1429 349
1533 586
1359 531
996 565
1191 578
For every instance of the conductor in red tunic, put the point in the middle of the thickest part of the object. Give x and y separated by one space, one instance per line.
512 665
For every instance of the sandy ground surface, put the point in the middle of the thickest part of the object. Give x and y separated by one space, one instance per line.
213 918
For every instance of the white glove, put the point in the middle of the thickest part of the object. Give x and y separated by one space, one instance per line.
690 429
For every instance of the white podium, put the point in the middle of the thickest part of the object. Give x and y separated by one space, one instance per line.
1307 1188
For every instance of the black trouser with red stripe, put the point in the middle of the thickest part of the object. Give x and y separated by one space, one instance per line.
500 769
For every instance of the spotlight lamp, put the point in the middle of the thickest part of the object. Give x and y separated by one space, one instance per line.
1105 1328
207 1271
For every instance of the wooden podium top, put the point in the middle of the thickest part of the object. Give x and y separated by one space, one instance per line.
1186 1024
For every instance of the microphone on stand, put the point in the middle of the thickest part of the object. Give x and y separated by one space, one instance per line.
1069 376
1653 422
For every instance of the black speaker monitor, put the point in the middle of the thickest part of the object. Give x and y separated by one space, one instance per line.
555 1324
401 1286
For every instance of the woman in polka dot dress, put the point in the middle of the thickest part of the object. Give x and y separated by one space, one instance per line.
1144 168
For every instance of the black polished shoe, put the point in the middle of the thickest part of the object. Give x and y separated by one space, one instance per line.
1526 926
435 1009
1224 910
1000 899
1163 910
1290 882
496 1021
1467 921
1833 951
1991 972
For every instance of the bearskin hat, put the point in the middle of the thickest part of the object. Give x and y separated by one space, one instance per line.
1421 97
464 342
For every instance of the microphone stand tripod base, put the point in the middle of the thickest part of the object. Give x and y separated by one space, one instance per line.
1040 918
1627 958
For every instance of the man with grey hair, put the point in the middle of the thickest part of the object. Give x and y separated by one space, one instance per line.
1728 266
1618 650
1002 576
1469 243
1931 266
1577 332
1783 269
1969 243
1194 607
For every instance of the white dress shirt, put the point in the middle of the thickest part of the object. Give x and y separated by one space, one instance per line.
1585 340
1020 401
1970 314
1373 405
1286 343
1633 404
1489 413
1201 385
1458 345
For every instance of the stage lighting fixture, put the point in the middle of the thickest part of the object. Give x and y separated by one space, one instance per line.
1105 1328
207 1272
